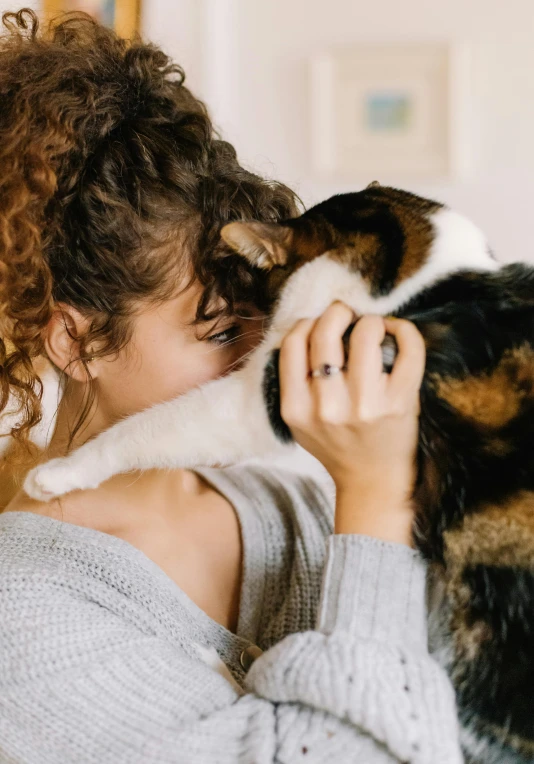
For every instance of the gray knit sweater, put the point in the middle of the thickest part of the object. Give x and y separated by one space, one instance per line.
99 664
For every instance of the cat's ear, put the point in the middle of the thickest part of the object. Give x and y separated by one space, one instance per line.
262 244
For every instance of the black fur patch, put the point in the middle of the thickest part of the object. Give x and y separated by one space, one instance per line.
271 397
483 315
502 675
359 212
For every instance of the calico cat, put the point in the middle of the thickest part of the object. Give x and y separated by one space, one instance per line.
387 251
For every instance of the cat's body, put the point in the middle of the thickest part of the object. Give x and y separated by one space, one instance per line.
388 252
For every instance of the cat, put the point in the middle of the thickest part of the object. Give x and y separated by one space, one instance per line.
386 251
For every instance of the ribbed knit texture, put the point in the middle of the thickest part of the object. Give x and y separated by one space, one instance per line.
98 657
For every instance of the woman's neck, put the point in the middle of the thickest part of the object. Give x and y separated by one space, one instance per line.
70 406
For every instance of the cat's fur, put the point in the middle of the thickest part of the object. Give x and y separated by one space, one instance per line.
389 252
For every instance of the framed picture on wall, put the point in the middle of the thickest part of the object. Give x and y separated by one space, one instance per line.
121 15
391 111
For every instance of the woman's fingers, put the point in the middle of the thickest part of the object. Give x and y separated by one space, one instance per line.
313 343
326 344
330 393
365 355
309 345
293 372
409 366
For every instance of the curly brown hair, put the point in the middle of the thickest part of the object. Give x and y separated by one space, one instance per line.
112 181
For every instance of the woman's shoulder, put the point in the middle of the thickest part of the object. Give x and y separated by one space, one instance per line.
71 591
41 555
44 560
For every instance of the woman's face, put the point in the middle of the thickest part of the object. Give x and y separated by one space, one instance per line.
169 355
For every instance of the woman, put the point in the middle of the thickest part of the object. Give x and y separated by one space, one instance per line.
114 602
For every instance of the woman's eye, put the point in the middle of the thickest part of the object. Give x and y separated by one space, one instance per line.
223 337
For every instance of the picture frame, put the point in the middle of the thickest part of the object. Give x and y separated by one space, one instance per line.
122 15
391 111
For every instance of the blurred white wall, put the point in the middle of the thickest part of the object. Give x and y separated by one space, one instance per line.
249 60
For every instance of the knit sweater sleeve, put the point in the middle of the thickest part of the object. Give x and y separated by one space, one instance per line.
360 688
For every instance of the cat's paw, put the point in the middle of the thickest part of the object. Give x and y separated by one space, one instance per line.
54 478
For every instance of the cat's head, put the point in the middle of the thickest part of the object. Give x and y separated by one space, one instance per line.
385 234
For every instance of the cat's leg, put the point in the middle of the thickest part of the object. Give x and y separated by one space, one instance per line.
222 422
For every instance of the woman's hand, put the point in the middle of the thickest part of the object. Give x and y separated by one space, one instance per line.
361 424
